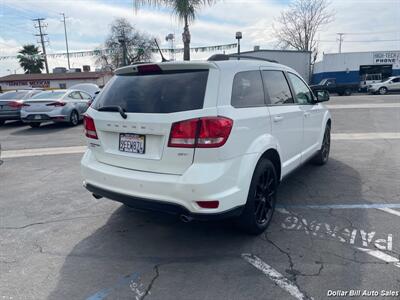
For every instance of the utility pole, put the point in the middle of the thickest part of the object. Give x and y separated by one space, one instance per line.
42 41
66 38
340 34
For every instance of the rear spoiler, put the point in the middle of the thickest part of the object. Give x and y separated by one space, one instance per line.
165 66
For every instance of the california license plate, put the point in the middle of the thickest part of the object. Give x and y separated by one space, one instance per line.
132 143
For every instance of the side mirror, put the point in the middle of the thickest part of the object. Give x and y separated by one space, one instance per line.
322 96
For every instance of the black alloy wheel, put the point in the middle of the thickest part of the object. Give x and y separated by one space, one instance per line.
260 205
322 156
264 197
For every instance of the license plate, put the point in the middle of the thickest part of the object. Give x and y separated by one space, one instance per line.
132 143
37 117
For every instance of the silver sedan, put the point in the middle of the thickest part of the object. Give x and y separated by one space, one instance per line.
55 106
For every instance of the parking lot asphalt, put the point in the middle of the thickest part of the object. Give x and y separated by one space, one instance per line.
336 227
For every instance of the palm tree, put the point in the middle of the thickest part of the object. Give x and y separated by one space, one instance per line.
185 10
30 59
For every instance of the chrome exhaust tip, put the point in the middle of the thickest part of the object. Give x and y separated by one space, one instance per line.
186 219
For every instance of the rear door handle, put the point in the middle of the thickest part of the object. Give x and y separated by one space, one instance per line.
277 118
306 114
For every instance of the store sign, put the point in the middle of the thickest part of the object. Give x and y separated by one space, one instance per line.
30 83
390 57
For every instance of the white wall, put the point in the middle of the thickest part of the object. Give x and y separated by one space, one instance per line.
336 62
299 61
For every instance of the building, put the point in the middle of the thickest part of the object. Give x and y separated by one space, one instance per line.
52 81
297 60
353 67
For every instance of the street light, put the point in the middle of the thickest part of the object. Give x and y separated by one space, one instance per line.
122 41
238 37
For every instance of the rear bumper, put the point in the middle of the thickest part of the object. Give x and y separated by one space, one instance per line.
55 115
10 115
44 118
162 206
226 181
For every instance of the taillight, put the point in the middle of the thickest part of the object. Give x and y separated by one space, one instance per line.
90 128
16 104
56 103
206 132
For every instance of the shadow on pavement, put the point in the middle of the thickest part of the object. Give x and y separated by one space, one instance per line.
44 129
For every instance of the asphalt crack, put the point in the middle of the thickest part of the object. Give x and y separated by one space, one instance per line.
148 289
292 271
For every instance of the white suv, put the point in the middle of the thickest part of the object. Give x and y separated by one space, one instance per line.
203 140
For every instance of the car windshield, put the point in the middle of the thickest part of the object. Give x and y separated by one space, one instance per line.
13 95
49 95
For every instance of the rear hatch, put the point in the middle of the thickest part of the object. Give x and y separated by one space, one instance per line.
43 102
153 98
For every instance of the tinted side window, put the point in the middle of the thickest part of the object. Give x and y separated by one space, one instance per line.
277 87
303 93
247 90
396 80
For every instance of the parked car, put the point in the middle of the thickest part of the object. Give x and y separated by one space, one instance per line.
203 140
368 79
391 84
330 85
55 106
11 103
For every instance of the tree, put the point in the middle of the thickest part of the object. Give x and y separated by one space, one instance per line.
299 24
30 59
125 46
185 10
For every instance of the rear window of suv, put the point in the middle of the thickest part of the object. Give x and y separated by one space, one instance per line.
166 92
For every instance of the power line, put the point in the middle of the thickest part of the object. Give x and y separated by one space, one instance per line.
66 38
42 35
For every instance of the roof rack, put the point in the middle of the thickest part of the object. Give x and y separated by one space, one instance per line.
220 57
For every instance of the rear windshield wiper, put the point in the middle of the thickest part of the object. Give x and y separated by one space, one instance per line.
115 108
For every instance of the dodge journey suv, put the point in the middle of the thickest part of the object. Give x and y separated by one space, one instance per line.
203 140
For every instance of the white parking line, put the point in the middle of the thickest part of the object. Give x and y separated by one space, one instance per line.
366 136
274 275
363 105
42 151
381 255
390 211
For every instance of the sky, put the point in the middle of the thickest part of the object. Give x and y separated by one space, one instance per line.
370 25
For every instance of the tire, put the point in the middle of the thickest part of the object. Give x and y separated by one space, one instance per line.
382 91
34 125
2 122
347 92
322 156
260 205
74 118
